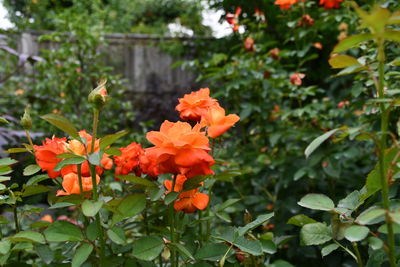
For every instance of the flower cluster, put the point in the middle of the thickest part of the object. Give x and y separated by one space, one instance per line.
233 19
179 149
328 4
47 158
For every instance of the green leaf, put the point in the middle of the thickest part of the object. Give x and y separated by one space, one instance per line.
67 156
194 182
252 247
59 205
91 208
7 161
268 246
317 202
69 161
328 249
62 123
257 222
315 234
5 246
31 190
62 231
375 243
45 253
81 254
318 141
351 41
183 250
343 61
148 248
170 197
227 203
4 178
28 236
351 202
372 215
227 176
137 180
392 35
110 139
15 150
117 235
113 151
37 178
356 233
95 158
300 220
129 207
31 169
211 251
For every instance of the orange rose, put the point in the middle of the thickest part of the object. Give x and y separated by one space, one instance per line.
285 4
129 160
217 122
190 201
148 164
46 218
328 4
46 154
71 184
179 148
194 105
83 149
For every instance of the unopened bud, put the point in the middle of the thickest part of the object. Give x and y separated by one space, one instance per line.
26 120
99 97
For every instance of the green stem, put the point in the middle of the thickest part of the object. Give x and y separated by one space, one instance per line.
382 148
172 227
17 228
358 255
79 167
29 138
200 228
96 113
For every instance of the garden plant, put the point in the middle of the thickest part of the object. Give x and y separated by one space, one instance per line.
289 158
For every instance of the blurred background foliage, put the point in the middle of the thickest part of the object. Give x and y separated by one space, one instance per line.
278 118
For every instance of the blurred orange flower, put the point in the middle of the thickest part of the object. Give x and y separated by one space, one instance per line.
330 3
296 78
46 218
46 154
194 105
217 122
71 184
179 148
285 4
249 44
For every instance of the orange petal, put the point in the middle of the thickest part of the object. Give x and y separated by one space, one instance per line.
200 201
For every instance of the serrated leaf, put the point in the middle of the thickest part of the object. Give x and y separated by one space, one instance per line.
81 254
148 248
315 234
372 215
31 169
317 202
110 139
318 141
183 250
62 123
91 208
356 233
211 251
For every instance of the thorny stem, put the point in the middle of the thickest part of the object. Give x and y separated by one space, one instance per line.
29 138
383 143
94 183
